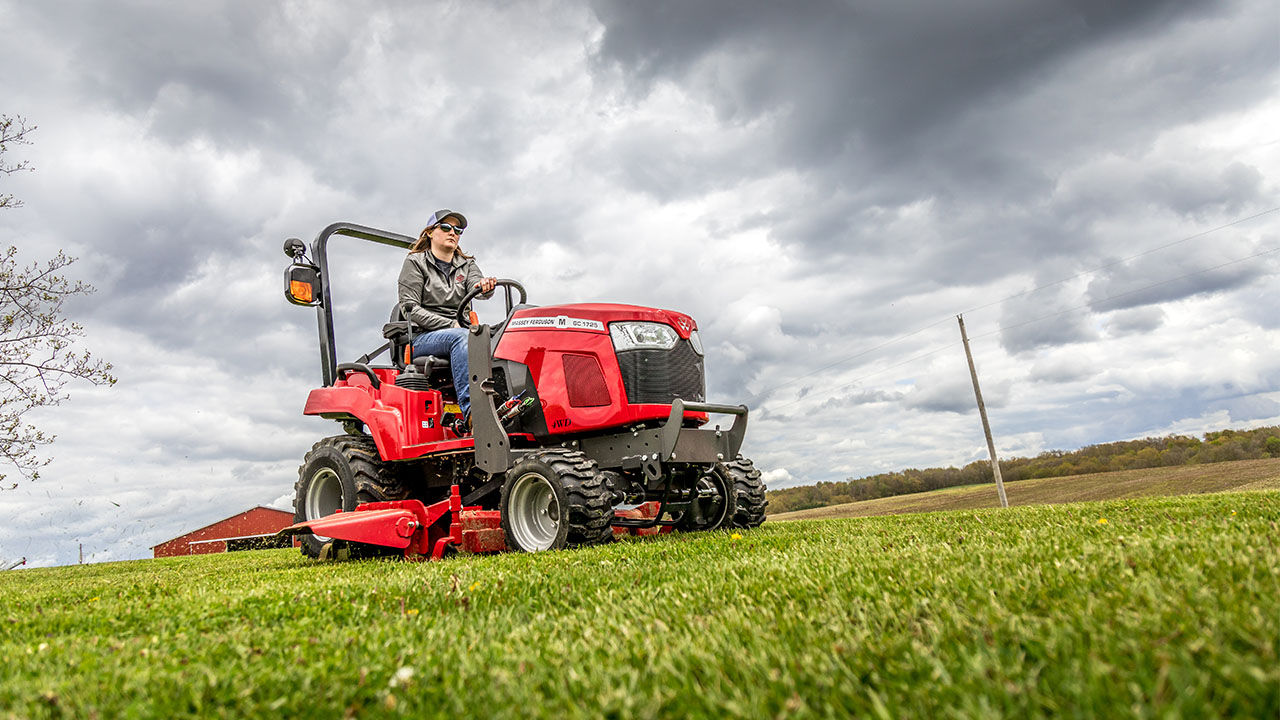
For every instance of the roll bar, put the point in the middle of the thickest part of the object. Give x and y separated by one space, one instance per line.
324 311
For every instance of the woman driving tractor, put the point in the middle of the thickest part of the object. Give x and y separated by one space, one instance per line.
436 276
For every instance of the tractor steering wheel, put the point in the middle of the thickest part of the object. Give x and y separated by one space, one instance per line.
465 321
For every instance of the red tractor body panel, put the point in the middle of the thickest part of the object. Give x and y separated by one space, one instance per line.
602 313
571 357
405 424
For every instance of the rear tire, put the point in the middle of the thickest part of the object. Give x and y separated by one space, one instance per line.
750 489
338 474
554 499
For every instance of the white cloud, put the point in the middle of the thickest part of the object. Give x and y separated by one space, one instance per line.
821 221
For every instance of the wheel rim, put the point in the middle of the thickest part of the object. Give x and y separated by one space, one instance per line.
715 508
533 512
324 496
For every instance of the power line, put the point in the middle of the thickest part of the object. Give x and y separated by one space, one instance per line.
852 357
1127 293
855 381
1002 328
1124 260
917 331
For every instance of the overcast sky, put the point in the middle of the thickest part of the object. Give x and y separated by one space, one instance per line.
822 185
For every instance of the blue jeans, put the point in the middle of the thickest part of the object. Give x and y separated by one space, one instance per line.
449 343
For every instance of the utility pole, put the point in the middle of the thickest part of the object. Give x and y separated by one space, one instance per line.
82 544
982 410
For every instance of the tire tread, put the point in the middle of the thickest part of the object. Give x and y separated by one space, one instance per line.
374 480
750 490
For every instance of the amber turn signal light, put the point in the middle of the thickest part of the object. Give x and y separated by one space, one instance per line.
301 291
302 284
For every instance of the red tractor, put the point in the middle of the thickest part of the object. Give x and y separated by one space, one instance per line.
588 420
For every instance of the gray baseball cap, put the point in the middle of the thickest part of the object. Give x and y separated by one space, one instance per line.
438 216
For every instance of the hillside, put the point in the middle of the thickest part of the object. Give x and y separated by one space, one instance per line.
1168 451
1148 482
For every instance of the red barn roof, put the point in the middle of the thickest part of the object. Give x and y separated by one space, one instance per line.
255 523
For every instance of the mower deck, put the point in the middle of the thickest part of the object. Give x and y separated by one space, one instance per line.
429 531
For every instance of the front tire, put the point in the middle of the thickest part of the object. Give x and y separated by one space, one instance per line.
553 499
749 488
339 473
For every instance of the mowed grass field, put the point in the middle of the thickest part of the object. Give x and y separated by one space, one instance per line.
1148 482
1154 607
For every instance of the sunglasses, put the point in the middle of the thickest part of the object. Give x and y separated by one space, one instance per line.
450 228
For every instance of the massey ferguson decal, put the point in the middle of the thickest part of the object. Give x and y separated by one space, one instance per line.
559 322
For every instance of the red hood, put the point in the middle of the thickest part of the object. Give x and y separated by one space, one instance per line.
597 316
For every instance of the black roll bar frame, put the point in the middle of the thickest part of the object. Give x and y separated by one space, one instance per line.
324 311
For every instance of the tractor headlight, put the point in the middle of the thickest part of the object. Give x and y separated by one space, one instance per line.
642 336
696 341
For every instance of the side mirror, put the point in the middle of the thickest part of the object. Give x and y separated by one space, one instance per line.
293 247
302 284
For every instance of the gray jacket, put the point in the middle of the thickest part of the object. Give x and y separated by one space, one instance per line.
430 298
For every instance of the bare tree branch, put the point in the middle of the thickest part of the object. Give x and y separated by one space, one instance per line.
13 131
38 354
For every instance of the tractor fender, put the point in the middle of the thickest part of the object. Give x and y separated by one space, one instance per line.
385 421
357 401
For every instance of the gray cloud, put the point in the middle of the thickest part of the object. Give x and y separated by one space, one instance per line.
861 397
1065 367
823 185
1175 276
1137 320
1247 407
954 394
888 106
1042 319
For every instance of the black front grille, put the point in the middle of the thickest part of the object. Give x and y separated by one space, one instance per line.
660 376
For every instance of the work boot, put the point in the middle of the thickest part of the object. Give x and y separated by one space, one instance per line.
461 425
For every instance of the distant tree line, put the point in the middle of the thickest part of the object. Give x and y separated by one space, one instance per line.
1165 451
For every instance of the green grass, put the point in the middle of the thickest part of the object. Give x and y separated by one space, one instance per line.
1169 608
1122 484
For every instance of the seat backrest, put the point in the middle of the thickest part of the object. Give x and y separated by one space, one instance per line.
397 331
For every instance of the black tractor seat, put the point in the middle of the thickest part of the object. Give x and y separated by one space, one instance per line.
430 364
435 371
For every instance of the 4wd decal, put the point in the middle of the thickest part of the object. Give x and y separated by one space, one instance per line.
559 322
